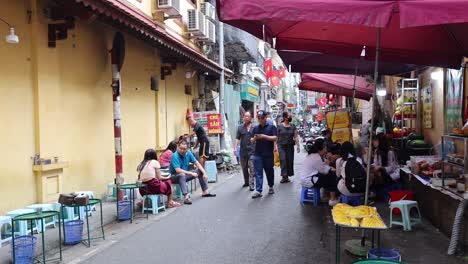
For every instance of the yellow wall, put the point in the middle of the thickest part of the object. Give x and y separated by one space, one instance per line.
58 101
16 111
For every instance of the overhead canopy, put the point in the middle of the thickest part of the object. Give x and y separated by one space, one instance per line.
413 31
339 84
322 63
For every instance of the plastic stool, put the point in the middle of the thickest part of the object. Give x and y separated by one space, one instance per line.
69 212
22 225
310 195
353 200
4 221
44 207
405 207
178 191
157 203
211 170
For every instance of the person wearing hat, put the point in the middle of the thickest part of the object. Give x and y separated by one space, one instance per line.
265 136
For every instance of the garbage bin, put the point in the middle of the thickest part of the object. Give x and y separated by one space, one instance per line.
73 232
25 249
124 210
384 254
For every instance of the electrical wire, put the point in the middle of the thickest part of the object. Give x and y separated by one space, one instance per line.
6 22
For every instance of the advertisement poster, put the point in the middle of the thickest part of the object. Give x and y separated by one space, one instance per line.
214 124
454 99
340 123
427 106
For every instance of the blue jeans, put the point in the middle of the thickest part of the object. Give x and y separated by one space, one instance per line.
262 163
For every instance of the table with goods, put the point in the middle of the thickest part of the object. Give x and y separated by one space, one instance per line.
357 217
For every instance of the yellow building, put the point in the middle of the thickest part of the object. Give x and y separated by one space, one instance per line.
56 98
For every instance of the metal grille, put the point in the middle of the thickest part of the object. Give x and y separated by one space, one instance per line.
164 3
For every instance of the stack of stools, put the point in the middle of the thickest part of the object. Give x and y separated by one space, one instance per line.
310 195
5 223
22 225
44 207
211 170
157 203
405 207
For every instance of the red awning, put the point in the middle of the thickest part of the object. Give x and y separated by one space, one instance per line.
421 32
339 84
137 21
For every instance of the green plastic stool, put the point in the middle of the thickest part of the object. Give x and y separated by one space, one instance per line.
156 203
405 207
178 191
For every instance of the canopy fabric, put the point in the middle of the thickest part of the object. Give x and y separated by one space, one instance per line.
322 63
413 31
339 84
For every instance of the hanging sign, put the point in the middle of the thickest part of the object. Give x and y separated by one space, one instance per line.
214 124
322 101
427 107
453 114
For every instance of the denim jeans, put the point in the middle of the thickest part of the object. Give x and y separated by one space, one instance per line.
182 178
263 163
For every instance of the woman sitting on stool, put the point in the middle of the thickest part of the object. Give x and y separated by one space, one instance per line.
316 172
150 174
347 152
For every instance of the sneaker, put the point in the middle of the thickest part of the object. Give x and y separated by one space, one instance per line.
251 189
332 202
256 195
271 191
245 185
187 201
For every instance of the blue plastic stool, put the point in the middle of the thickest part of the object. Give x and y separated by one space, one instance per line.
310 195
353 200
157 203
211 170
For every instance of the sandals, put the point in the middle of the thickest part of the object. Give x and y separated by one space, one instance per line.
173 205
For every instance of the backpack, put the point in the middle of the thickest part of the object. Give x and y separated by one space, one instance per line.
355 178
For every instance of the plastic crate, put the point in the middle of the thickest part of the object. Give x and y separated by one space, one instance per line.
124 210
25 249
73 232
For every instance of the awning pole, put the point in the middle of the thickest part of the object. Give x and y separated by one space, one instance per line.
376 75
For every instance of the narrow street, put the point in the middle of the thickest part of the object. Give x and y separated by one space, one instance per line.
231 228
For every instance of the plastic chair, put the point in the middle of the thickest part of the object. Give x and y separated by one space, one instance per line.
22 225
156 203
44 207
178 192
310 195
405 207
5 221
353 200
211 170
89 208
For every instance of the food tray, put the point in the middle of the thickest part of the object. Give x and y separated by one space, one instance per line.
360 227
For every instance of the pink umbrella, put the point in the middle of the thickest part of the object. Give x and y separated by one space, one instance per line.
339 84
411 31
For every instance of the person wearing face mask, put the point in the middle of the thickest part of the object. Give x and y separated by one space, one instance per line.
287 138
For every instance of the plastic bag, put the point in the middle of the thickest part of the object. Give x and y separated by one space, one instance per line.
277 158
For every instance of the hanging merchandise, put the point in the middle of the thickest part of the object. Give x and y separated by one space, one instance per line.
275 81
268 68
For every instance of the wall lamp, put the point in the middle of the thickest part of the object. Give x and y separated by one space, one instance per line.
12 37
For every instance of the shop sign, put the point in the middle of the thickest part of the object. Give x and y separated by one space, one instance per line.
250 92
290 105
341 135
338 119
202 118
215 126
322 101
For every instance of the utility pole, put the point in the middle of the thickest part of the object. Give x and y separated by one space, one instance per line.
222 141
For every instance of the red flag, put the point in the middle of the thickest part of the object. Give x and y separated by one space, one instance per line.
275 73
282 73
268 68
275 80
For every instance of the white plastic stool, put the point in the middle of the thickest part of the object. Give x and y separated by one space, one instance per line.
211 170
44 207
69 212
22 225
4 221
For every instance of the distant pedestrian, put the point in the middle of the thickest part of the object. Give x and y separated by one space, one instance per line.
287 138
243 136
364 134
264 138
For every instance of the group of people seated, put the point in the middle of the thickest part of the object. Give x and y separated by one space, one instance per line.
343 172
178 160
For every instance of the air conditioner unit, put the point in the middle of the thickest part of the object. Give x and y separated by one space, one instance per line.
170 7
211 32
208 10
196 23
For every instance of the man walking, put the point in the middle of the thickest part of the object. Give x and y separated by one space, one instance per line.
265 136
243 136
